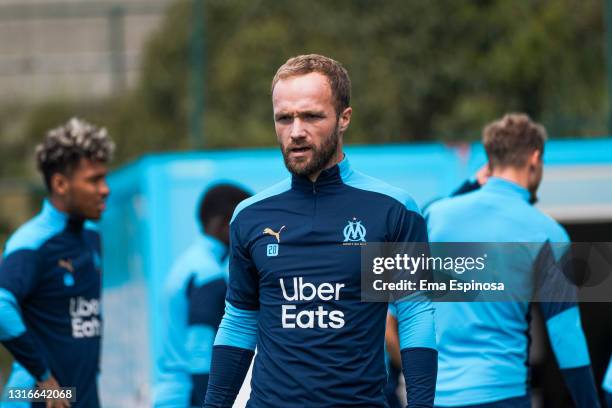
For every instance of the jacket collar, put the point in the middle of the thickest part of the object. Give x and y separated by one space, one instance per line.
60 219
329 178
505 187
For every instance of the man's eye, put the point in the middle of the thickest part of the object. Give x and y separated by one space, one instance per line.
312 116
283 119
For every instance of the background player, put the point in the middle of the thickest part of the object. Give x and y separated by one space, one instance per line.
484 346
193 303
50 317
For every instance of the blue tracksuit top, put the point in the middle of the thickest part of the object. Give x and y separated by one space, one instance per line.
192 304
483 347
50 314
295 272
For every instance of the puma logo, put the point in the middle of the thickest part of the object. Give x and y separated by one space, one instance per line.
66 264
269 231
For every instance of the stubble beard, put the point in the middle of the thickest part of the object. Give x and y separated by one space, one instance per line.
320 156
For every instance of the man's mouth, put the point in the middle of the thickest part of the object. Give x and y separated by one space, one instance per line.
299 151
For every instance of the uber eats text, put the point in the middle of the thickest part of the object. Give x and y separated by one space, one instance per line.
296 290
85 317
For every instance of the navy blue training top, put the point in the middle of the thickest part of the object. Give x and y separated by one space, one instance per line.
50 312
295 274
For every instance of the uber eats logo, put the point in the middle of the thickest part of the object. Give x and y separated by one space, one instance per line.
296 290
85 317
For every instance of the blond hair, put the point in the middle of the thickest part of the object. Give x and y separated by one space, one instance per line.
336 74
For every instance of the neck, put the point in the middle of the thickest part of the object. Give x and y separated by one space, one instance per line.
336 158
515 175
59 204
217 230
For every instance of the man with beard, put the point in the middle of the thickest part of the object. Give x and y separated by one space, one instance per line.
484 346
294 288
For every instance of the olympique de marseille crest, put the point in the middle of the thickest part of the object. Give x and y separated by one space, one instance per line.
354 231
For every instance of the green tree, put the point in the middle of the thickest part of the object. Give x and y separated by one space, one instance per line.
420 70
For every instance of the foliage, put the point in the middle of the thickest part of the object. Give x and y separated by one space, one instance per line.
420 70
435 70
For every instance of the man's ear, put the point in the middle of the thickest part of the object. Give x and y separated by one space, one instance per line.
59 184
534 158
344 119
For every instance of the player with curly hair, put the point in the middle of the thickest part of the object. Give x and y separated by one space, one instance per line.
50 317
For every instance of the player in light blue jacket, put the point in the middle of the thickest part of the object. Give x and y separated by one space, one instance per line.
483 347
193 302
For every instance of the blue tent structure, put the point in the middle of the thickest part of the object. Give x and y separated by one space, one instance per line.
151 219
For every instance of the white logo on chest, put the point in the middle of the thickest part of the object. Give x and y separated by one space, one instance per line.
85 317
354 231
321 317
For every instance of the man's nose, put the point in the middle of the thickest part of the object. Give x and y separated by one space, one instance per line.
297 129
104 189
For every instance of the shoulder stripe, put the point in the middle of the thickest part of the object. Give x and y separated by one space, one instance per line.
276 189
32 235
363 182
11 325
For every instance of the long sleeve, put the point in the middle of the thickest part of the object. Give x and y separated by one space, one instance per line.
418 349
206 305
562 316
416 327
570 348
18 272
232 354
235 342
